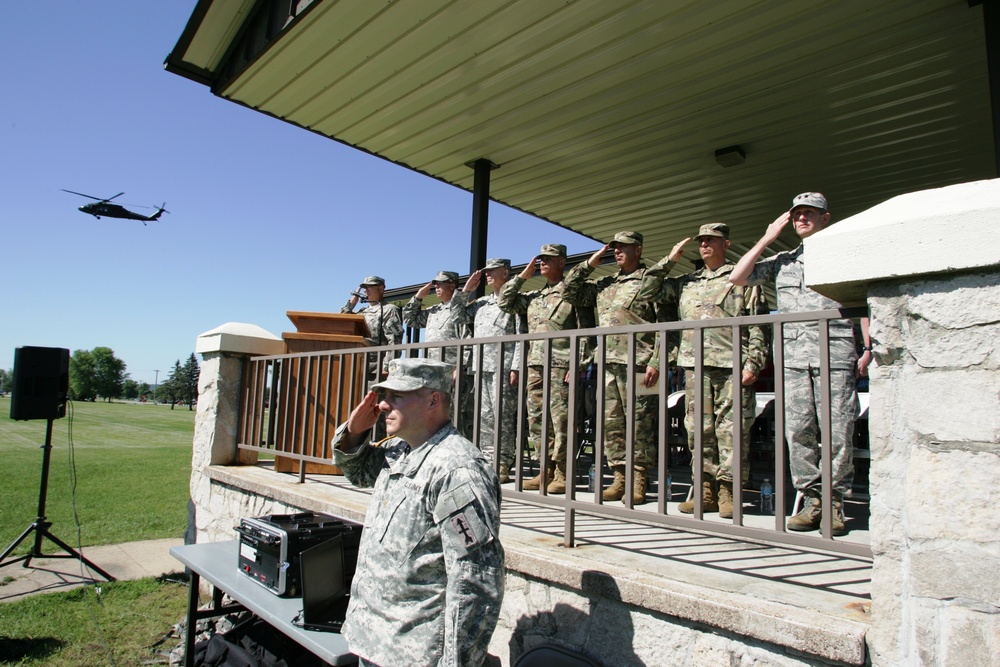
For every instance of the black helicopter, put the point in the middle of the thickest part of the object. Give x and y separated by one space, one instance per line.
106 208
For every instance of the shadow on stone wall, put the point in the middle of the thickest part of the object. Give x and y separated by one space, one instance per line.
604 633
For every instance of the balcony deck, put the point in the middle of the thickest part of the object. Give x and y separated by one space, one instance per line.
806 599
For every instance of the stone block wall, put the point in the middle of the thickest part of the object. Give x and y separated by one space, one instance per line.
594 621
935 445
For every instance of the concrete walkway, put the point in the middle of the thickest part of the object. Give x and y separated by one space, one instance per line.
132 560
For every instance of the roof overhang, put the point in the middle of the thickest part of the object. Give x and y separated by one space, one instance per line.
607 115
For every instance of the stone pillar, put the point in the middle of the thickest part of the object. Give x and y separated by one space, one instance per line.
928 264
224 351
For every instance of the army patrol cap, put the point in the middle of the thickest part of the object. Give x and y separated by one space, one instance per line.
446 277
552 250
371 281
497 263
628 238
414 374
720 229
814 199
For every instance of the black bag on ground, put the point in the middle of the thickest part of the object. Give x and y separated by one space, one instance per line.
253 643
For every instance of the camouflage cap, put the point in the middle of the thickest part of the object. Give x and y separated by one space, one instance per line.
446 277
373 280
714 229
497 263
414 374
628 238
814 199
552 250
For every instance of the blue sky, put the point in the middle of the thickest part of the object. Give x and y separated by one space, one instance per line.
264 217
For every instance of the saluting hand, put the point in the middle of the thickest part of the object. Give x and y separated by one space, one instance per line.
473 282
364 415
425 290
678 250
595 259
775 228
529 270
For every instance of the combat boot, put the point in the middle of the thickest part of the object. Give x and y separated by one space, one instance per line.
504 474
709 503
617 489
558 483
639 487
809 517
838 526
725 500
535 482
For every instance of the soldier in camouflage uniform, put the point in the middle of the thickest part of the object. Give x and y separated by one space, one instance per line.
708 294
630 296
384 320
385 324
447 320
430 575
489 321
547 310
803 397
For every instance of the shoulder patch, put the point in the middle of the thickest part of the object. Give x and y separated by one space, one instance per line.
451 502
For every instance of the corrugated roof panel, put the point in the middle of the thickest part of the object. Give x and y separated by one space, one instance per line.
605 115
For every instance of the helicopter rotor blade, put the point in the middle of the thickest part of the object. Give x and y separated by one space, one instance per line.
82 195
92 197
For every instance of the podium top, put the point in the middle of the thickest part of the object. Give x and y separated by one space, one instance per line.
329 323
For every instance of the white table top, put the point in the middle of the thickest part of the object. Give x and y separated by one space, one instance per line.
217 563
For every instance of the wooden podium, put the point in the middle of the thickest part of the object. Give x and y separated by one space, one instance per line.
314 387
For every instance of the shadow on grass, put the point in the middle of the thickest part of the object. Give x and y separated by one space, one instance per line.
13 650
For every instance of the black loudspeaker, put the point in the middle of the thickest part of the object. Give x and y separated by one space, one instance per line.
41 382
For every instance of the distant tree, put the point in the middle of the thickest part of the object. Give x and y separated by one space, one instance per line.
96 372
6 379
109 373
130 389
172 388
82 374
189 375
145 391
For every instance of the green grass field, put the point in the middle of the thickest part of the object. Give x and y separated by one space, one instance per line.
132 462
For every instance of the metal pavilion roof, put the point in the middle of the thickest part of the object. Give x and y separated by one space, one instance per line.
607 114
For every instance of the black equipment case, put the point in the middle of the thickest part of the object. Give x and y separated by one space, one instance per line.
270 546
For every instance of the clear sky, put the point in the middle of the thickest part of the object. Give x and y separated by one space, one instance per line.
264 217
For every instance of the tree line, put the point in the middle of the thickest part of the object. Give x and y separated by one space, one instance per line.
98 373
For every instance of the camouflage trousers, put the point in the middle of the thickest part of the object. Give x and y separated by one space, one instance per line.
717 422
556 409
616 416
487 416
803 407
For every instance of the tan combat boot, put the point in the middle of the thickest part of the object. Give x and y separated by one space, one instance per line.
617 489
725 500
535 482
504 474
809 517
639 487
558 483
838 525
708 500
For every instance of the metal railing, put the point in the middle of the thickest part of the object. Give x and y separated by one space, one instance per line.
291 404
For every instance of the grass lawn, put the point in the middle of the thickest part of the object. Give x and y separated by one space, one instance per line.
124 624
132 469
132 463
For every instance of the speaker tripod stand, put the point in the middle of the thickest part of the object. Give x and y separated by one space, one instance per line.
40 527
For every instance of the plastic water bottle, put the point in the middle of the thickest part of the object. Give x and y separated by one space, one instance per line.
590 477
766 497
